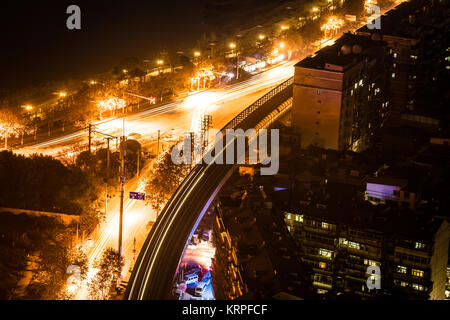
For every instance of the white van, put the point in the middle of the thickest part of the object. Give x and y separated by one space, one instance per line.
200 290
190 278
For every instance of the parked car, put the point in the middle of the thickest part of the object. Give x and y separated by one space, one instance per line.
190 278
206 234
191 266
200 289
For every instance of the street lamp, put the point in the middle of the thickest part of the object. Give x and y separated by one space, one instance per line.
282 45
261 37
233 46
284 28
196 55
159 62
62 94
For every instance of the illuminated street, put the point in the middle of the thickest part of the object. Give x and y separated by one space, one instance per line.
183 116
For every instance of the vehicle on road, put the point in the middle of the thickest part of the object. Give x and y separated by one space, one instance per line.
191 278
192 267
200 289
205 235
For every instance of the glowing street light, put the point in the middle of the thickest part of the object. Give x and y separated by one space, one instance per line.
197 54
125 71
28 107
284 28
261 37
233 46
315 9
160 62
62 94
282 45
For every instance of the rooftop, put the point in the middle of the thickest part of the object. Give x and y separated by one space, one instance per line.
400 21
347 51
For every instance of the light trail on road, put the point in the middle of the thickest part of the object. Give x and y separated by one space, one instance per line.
179 115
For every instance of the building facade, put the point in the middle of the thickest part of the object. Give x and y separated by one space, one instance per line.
339 100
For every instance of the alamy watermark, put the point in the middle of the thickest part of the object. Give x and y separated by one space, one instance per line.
73 22
374 24
232 147
374 279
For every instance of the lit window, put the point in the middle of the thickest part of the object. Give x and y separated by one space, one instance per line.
395 54
318 91
369 262
418 287
393 74
325 253
353 245
299 218
325 225
420 245
360 82
322 265
417 273
401 269
289 216
343 241
356 85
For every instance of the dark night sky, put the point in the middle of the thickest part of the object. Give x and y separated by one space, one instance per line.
36 46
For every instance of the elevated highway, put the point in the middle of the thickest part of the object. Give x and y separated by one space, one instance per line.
156 266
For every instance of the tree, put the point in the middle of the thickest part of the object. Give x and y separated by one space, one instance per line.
110 266
45 184
10 125
166 178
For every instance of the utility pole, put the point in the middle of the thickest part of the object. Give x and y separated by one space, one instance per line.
159 135
90 132
122 165
139 152
237 64
108 160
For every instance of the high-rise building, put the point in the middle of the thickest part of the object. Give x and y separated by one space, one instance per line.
339 100
412 254
418 51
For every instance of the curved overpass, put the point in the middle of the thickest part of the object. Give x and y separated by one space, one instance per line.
158 260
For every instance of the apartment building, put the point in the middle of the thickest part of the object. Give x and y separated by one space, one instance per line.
412 253
418 51
339 100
